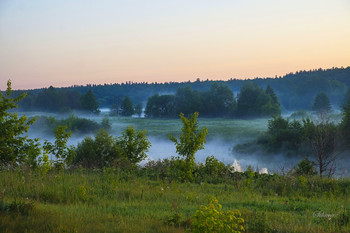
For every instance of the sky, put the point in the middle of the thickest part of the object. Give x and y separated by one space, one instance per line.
78 42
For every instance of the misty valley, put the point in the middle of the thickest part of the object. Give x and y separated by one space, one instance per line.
225 139
250 160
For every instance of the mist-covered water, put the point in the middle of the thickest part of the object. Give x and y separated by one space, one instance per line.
222 149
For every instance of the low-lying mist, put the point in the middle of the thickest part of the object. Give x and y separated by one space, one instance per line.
220 143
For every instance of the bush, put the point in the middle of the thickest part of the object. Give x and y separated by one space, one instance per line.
211 219
305 168
104 150
73 123
99 152
213 171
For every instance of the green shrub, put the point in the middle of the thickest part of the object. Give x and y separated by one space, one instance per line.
211 219
73 123
98 152
106 151
305 168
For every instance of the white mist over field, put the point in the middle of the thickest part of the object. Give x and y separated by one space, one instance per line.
223 151
217 145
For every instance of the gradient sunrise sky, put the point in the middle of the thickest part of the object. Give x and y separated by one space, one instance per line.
67 42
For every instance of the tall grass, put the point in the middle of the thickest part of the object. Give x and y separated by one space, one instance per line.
116 201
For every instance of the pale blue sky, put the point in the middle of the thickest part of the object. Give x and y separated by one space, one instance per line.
63 42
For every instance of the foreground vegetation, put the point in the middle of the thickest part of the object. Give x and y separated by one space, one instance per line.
110 200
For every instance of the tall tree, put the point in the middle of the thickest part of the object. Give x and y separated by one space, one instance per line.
134 144
127 107
187 100
138 109
346 100
48 99
191 140
160 106
345 122
89 102
321 103
14 145
322 139
219 101
272 94
116 106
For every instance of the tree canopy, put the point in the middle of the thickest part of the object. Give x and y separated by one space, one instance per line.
127 107
191 140
89 102
321 103
253 101
14 144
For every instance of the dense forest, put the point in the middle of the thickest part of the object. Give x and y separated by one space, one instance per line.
295 91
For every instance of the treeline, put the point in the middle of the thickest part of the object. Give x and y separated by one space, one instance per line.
321 139
16 150
295 90
218 101
59 100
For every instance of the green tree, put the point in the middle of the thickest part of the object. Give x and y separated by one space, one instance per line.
99 152
48 99
321 136
271 93
127 107
138 109
271 107
219 101
106 124
89 102
116 106
14 145
191 140
346 101
345 123
187 100
134 145
160 106
253 101
321 103
64 154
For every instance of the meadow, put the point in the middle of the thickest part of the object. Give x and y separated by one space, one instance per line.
222 128
153 198
118 201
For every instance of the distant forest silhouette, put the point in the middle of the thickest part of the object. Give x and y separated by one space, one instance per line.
295 91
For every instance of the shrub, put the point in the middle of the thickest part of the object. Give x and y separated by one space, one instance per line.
105 150
305 167
211 219
98 152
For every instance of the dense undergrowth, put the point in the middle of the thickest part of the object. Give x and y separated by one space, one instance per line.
110 200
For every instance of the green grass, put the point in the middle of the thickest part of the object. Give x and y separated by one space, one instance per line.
222 128
95 201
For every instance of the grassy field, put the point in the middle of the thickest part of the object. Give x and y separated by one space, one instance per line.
222 128
109 201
